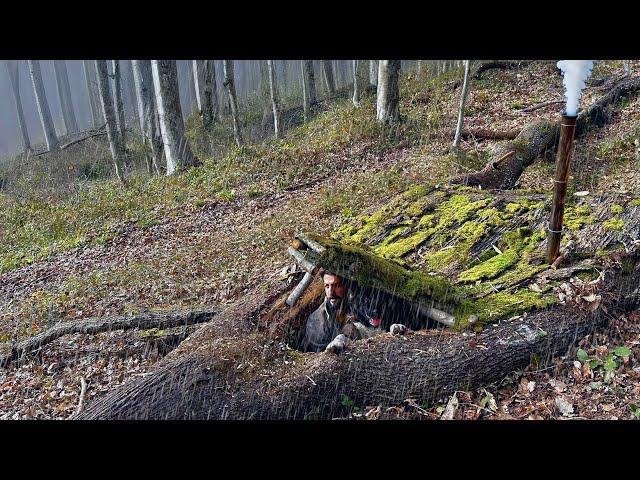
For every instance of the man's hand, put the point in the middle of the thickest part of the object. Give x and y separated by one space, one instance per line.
337 344
398 329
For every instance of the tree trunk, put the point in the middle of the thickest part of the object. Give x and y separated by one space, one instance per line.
64 94
310 82
229 83
358 81
50 136
232 372
117 100
115 140
210 106
463 99
306 107
14 77
273 87
388 110
198 83
328 75
143 80
373 73
92 89
176 148
541 135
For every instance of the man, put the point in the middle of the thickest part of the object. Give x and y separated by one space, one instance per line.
342 317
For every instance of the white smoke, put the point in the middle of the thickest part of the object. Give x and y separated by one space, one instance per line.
575 74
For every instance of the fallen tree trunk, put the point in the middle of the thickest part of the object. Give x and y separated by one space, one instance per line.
494 65
240 377
541 135
105 324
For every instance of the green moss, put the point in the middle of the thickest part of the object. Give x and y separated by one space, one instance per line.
575 217
360 264
458 252
635 202
615 223
503 305
617 209
490 268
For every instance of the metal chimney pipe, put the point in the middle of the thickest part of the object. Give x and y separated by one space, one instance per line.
563 160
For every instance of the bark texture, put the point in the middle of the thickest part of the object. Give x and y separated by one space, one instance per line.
91 82
64 94
143 80
327 68
14 77
118 105
229 83
116 145
273 87
50 136
388 110
177 151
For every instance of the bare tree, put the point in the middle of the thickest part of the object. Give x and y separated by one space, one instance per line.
463 99
359 74
145 94
373 72
273 86
328 75
43 107
92 88
388 111
117 99
310 81
64 94
176 148
204 78
14 77
306 107
229 83
116 145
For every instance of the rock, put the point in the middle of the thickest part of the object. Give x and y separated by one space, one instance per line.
563 406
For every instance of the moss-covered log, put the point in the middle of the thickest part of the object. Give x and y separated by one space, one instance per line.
541 135
238 367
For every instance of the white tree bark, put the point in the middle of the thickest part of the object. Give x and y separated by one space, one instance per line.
115 140
463 99
197 67
43 107
145 94
176 148
14 77
306 108
229 83
64 94
373 72
92 88
387 105
273 86
117 99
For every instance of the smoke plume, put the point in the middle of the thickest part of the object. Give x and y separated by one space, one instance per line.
575 74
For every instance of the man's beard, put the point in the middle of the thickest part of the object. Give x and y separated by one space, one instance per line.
334 306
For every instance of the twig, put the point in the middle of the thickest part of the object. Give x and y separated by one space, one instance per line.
83 392
541 105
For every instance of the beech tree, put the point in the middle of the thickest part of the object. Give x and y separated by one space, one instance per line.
463 99
204 77
176 148
145 94
91 82
50 136
359 74
14 77
387 108
116 144
328 75
64 94
229 83
274 98
310 81
373 72
117 99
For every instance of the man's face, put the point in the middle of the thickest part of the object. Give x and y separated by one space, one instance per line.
334 289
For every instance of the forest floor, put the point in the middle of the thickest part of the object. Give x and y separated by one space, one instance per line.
214 248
